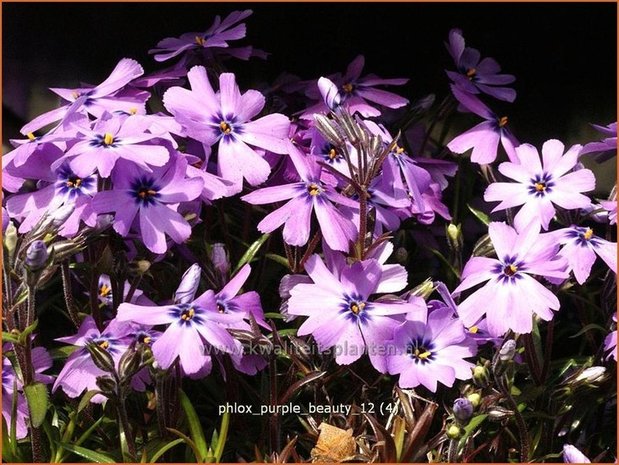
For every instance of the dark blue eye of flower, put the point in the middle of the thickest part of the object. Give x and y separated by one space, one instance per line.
145 191
541 185
104 140
355 308
420 350
187 314
508 271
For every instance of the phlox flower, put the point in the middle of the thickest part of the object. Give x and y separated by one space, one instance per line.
307 196
511 295
611 207
109 96
485 137
571 454
540 184
430 348
341 312
113 138
217 35
475 75
225 119
359 94
12 386
604 149
150 201
581 248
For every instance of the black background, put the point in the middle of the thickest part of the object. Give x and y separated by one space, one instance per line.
563 55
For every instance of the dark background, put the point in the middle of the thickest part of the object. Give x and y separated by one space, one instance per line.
563 55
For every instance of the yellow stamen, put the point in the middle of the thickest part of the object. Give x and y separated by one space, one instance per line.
471 73
502 121
348 88
313 189
133 111
473 329
399 150
148 192
424 355
147 340
75 94
356 308
540 186
332 154
105 290
200 41
104 345
31 136
108 139
188 315
225 127
588 234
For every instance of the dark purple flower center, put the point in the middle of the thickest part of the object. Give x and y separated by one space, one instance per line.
188 314
421 350
105 343
313 189
72 186
144 191
471 73
509 270
356 308
144 338
225 127
503 120
104 140
583 236
541 185
349 87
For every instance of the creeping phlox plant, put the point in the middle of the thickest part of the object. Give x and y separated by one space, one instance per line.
321 242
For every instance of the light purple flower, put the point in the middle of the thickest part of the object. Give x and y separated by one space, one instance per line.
307 196
572 455
12 386
509 277
341 312
113 138
541 184
217 35
79 372
430 349
581 248
191 324
109 96
477 75
225 119
611 207
358 94
485 137
610 342
150 201
604 149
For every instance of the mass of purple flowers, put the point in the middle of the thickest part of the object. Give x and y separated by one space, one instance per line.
444 284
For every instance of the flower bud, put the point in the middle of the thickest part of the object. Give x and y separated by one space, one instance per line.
61 215
454 237
220 259
100 356
328 130
129 363
463 410
189 285
36 255
508 351
423 290
499 413
572 455
481 376
106 384
10 238
592 375
474 399
454 431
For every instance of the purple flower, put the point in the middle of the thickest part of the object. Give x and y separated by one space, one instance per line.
111 139
475 75
541 185
485 137
359 94
430 349
341 313
150 200
192 323
611 207
79 372
109 96
610 342
509 277
12 385
225 119
604 149
217 35
572 455
307 196
580 248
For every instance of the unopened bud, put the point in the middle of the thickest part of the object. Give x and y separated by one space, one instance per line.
572 455
424 289
328 130
36 255
401 255
189 285
463 410
592 374
10 238
61 215
508 351
220 259
106 384
474 399
138 267
499 413
454 237
481 376
129 363
100 356
454 431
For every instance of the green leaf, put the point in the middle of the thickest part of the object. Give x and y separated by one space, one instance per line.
88 454
481 216
222 436
188 441
469 429
273 316
23 337
164 449
8 337
251 252
37 397
195 428
61 353
588 328
278 259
